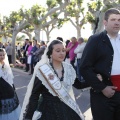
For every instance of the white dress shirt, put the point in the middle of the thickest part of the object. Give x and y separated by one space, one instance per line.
79 50
116 58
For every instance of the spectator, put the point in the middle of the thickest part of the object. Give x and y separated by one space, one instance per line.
18 50
79 50
67 53
25 48
34 48
9 103
39 52
9 49
29 56
70 48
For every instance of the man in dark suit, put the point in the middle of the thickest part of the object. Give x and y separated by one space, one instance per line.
34 48
100 67
25 48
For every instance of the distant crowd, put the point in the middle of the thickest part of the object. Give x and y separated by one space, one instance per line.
28 54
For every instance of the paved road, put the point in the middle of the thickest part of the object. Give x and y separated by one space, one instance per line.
21 80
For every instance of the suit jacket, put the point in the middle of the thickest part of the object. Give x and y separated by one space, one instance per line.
9 50
39 52
25 50
97 58
34 48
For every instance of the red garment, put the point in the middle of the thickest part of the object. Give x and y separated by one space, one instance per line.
115 79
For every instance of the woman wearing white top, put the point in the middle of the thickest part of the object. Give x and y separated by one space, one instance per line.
79 50
9 103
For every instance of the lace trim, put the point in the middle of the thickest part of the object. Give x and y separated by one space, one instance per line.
8 105
69 75
68 79
5 74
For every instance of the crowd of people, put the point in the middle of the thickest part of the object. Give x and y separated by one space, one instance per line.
57 67
32 52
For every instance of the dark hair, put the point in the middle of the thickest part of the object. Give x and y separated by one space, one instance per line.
60 38
109 12
35 41
67 41
50 47
43 42
2 50
26 39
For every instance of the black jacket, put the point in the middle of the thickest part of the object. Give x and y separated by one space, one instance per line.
25 48
97 58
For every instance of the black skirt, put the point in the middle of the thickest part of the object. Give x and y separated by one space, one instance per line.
8 97
54 109
51 107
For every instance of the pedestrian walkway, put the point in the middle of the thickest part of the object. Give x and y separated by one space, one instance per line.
20 70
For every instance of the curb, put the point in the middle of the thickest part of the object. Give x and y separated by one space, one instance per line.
18 70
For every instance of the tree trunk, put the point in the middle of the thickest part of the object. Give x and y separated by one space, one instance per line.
30 36
78 32
47 35
37 34
14 47
100 26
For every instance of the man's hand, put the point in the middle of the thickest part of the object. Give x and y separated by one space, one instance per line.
109 91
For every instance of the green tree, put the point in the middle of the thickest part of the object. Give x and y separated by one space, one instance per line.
54 20
76 14
39 16
15 23
96 10
93 15
4 31
28 31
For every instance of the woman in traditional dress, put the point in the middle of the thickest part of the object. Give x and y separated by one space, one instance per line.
9 103
50 95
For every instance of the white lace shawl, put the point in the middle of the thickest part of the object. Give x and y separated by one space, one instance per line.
6 72
68 80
